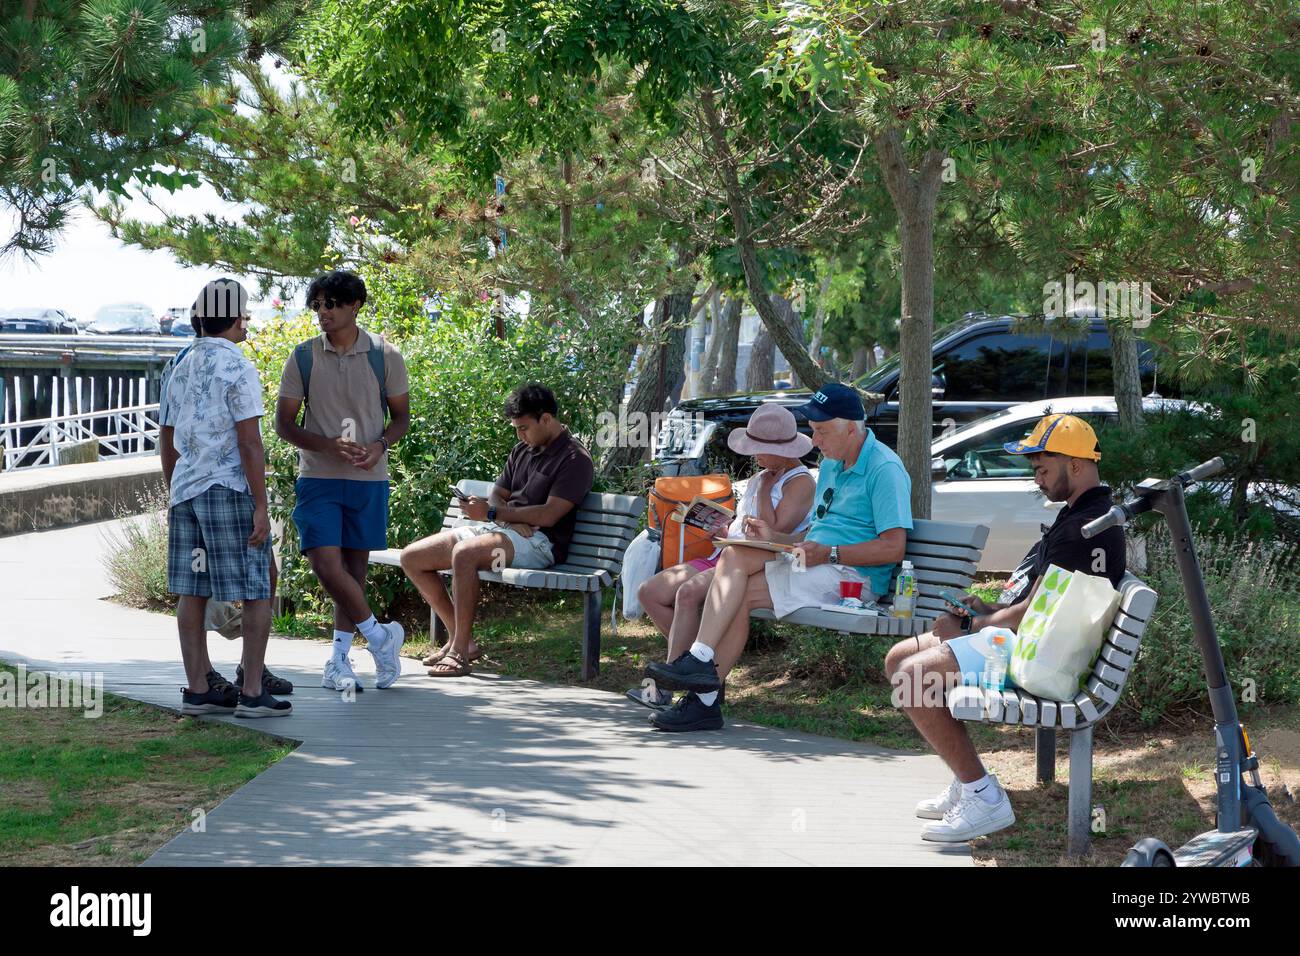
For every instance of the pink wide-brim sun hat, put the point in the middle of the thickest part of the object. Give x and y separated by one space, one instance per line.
772 430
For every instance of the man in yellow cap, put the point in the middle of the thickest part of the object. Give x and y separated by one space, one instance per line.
1064 453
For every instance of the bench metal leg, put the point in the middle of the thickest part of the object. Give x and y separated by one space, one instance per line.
437 630
1045 752
1080 790
591 635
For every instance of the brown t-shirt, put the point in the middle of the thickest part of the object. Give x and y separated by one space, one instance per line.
563 469
344 389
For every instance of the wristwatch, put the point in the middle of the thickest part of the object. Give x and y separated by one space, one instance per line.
835 554
492 513
967 622
384 442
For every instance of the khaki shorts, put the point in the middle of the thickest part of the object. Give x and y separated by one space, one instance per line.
791 589
534 552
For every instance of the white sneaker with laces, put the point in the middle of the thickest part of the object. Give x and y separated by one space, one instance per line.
935 808
339 675
972 817
388 655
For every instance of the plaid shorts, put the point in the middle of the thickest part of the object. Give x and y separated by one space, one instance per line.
207 548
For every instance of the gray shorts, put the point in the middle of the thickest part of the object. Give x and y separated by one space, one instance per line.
534 552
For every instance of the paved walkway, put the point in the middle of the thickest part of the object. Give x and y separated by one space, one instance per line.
482 770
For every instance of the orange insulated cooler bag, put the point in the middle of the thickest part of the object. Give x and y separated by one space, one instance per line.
667 494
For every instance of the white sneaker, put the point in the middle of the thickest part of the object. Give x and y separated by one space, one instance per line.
340 676
935 808
972 817
388 655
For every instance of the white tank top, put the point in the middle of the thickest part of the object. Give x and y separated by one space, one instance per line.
747 505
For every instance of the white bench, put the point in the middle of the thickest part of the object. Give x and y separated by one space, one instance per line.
605 527
1105 684
944 554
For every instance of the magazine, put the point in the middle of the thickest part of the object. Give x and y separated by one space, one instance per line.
755 543
705 515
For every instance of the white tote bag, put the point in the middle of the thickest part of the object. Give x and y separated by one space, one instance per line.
640 562
1061 633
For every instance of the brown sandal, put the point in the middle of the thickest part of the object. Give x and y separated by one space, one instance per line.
451 665
441 652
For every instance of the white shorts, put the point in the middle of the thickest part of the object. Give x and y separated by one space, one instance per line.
791 589
534 552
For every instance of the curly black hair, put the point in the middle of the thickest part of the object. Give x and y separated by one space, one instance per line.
532 399
338 285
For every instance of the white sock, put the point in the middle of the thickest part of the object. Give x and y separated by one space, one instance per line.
371 630
709 699
701 652
342 644
985 788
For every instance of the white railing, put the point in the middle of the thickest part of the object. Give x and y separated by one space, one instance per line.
130 431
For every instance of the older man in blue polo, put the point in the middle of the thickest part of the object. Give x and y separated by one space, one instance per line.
861 515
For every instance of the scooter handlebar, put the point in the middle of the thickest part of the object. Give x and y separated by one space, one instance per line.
1204 470
1118 515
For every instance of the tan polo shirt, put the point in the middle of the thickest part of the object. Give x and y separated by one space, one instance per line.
343 388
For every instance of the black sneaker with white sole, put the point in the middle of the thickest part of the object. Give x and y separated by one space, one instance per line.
263 706
270 683
688 672
219 699
689 713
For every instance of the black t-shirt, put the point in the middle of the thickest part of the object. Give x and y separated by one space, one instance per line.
1064 545
564 469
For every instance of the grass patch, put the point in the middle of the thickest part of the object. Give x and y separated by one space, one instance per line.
109 791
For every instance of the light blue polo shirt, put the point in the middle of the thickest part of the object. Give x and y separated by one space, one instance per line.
872 496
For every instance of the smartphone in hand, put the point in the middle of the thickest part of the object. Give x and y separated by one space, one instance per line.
460 495
953 598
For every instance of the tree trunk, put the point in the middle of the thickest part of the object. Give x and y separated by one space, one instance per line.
724 379
1127 377
862 358
755 278
762 357
915 195
709 367
658 377
785 308
566 209
819 322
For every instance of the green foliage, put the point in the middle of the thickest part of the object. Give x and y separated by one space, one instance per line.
1255 596
136 556
460 374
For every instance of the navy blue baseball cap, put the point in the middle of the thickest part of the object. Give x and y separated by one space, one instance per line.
833 400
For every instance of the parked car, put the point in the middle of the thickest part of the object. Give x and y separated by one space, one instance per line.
182 329
34 320
981 365
176 314
125 318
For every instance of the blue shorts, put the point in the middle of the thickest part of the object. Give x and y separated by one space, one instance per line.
970 651
340 513
207 548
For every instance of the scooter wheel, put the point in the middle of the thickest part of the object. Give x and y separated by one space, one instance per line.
1149 852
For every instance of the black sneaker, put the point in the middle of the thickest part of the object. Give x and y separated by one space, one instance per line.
270 683
689 713
688 672
218 700
216 681
655 698
263 706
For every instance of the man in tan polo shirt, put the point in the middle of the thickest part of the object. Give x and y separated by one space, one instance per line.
347 378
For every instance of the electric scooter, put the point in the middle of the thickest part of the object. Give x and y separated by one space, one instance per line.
1247 831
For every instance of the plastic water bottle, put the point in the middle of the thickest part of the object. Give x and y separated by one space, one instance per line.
996 661
905 591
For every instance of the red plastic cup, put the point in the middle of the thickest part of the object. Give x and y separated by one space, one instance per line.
851 589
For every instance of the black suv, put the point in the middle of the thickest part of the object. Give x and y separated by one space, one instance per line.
981 365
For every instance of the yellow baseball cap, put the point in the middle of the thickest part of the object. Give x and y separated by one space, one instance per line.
1062 434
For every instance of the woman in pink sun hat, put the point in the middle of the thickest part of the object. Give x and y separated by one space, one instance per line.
781 494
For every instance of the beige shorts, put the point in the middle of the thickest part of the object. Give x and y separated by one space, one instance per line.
791 589
534 552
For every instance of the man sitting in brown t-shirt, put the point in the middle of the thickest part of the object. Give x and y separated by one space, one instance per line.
526 522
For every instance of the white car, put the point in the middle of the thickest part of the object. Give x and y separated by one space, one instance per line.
977 481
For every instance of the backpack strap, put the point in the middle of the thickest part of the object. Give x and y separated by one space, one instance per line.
376 357
303 355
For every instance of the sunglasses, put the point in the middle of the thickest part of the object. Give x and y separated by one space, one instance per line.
825 506
318 304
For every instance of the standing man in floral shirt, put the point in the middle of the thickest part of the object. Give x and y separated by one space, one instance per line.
218 529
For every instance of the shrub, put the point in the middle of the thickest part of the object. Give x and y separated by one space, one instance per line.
1255 602
136 558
